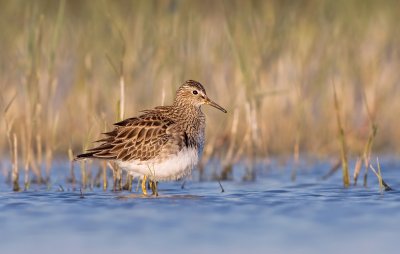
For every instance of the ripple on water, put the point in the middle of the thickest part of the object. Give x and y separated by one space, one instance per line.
271 214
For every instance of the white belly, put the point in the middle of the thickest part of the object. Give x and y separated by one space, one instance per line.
175 167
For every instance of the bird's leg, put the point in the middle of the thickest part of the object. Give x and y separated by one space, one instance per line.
154 187
144 190
151 184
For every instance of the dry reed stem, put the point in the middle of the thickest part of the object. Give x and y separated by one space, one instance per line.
50 141
251 146
35 169
83 174
357 169
367 150
96 180
104 170
296 156
15 169
12 143
371 137
9 125
72 179
342 139
122 95
39 152
300 112
26 147
332 170
26 169
117 178
89 174
383 186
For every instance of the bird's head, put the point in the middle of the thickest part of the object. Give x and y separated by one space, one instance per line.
193 93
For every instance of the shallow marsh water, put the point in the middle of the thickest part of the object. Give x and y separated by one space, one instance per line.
270 215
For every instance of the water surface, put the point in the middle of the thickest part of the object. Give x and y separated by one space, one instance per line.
269 215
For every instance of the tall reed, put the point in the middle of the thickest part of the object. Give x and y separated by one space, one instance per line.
54 56
342 140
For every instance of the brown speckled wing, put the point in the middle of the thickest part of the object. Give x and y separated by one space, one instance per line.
148 137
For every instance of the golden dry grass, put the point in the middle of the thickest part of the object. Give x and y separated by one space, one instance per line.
270 63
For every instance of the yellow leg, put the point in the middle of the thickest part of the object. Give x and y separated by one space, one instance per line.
144 189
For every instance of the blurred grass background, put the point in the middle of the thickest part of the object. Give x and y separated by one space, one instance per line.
270 63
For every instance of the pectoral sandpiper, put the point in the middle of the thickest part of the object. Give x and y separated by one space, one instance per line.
163 143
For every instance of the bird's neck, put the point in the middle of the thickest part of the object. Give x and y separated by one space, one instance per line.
190 116
186 109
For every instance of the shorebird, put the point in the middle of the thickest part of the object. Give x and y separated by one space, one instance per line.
161 144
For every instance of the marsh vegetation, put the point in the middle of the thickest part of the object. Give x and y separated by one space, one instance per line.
300 78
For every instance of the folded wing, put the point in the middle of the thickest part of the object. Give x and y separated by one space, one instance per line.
146 138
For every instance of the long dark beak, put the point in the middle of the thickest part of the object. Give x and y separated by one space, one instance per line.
215 105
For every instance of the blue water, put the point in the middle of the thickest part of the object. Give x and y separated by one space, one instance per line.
269 215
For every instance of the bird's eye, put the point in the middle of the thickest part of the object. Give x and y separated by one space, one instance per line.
195 92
